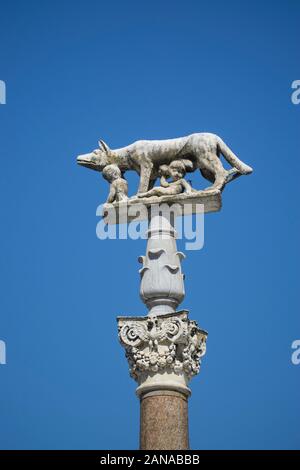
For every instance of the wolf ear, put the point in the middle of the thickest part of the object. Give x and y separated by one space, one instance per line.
104 146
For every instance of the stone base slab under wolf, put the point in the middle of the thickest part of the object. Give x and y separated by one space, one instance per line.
139 209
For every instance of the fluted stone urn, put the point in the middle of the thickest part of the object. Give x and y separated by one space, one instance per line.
162 282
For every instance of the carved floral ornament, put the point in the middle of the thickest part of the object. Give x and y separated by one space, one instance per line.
157 344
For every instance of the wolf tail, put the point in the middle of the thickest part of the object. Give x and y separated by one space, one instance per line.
232 159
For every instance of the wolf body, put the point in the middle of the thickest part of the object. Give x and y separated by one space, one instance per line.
200 151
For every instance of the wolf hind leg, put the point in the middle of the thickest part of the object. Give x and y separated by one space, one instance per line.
219 183
214 172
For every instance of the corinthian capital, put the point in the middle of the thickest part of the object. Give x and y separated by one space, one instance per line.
163 351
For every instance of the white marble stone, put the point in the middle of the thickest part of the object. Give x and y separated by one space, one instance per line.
162 282
170 158
164 351
138 209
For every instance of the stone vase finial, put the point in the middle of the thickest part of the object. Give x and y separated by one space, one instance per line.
162 282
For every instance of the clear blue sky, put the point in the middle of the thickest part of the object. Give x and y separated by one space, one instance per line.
79 71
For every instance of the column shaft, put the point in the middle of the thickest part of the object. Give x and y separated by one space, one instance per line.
164 421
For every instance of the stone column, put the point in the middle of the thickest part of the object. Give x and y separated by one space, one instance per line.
164 421
164 348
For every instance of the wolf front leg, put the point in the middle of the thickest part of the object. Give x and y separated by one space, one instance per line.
145 174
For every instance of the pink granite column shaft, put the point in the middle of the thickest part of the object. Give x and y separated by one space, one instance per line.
164 421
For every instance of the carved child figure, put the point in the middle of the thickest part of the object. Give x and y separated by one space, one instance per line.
176 171
118 186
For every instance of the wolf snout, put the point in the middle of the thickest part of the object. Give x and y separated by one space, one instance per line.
82 159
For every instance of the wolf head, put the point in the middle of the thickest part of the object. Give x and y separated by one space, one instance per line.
98 159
